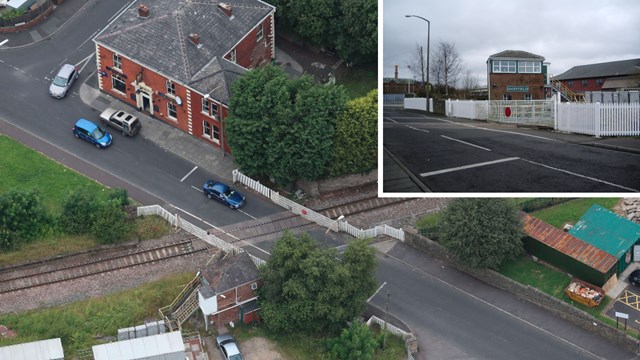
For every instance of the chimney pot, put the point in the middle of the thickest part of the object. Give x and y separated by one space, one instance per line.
396 72
195 38
143 11
226 9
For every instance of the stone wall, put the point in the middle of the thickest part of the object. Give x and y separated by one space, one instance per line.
525 292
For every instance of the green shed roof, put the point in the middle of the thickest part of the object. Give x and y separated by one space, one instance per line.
607 231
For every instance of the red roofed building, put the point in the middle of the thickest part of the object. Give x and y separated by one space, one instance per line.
569 253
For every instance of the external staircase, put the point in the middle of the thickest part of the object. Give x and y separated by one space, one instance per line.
566 93
183 306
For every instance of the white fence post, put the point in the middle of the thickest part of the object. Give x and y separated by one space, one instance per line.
598 120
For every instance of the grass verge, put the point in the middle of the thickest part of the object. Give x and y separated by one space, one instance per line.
83 324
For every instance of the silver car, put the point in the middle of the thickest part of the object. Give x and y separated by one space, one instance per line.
65 77
229 347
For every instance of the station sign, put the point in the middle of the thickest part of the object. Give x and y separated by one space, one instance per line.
517 88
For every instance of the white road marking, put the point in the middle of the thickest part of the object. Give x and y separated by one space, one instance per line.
390 119
89 38
197 189
513 316
464 142
249 215
377 291
582 176
414 128
190 172
468 167
4 42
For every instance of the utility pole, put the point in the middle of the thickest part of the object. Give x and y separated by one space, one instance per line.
386 316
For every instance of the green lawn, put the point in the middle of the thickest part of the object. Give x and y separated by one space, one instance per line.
298 346
571 211
80 325
22 168
359 81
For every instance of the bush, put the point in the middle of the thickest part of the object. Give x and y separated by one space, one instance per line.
120 196
78 211
110 223
532 205
22 218
356 342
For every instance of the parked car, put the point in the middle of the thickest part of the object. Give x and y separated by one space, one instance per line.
229 347
634 277
91 132
63 80
223 193
126 123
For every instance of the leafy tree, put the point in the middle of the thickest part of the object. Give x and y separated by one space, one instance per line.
283 128
310 289
357 38
348 26
110 223
356 342
22 217
79 210
482 232
356 137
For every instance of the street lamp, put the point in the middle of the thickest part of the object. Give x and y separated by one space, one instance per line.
428 41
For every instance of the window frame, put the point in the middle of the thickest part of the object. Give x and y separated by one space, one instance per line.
215 133
260 33
233 56
118 77
529 67
117 62
504 66
171 88
206 129
584 82
172 108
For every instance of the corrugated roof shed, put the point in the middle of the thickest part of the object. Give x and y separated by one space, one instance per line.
607 231
567 244
167 346
50 349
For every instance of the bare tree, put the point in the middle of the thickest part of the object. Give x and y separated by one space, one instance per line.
447 65
418 64
469 83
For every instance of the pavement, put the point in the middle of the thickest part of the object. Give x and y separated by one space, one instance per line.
398 179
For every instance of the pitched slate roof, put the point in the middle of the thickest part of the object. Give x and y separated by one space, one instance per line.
516 54
229 273
161 40
602 70
607 231
567 244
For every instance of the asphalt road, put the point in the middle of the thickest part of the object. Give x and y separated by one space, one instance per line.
454 155
455 316
133 163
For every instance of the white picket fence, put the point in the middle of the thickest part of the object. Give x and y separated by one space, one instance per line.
313 216
390 328
599 119
177 221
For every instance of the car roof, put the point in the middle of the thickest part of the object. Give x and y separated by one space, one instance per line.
86 124
66 70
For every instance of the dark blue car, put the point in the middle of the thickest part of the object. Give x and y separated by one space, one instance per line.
91 132
223 193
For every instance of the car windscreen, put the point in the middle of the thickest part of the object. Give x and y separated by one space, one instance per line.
97 133
60 81
229 192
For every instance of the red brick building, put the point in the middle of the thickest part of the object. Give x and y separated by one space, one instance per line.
516 75
610 76
176 59
228 291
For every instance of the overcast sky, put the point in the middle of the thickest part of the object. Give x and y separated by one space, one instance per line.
565 32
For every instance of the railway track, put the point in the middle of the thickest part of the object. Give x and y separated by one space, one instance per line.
275 224
32 276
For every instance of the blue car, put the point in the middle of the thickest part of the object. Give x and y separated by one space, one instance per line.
91 132
223 193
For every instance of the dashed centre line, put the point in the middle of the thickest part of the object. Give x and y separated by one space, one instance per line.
444 171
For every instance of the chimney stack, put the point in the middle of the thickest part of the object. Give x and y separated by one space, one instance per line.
143 11
396 72
195 38
226 9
